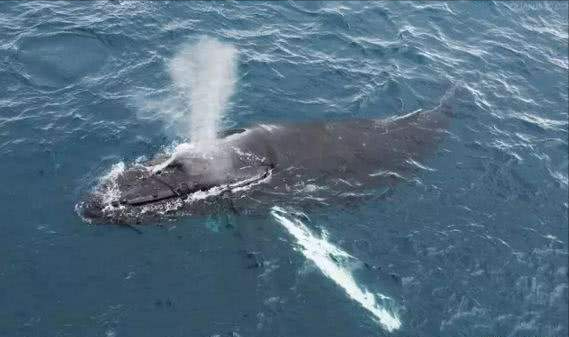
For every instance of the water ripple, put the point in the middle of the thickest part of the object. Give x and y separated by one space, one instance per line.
476 246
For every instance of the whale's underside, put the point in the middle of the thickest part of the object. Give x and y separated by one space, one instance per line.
265 161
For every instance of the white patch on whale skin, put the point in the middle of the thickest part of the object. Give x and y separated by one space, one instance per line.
239 186
328 258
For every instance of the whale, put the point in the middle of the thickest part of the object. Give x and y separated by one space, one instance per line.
252 167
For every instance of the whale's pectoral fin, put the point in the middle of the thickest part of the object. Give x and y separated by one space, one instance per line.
227 202
131 227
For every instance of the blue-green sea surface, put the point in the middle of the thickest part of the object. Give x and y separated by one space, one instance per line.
474 245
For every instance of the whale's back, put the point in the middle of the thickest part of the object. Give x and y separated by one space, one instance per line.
351 147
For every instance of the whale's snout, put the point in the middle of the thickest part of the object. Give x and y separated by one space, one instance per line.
91 209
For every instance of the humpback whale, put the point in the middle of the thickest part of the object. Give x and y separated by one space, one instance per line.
266 161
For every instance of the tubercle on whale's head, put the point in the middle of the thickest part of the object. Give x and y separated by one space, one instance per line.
90 209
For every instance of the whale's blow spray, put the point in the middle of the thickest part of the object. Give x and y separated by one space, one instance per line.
204 75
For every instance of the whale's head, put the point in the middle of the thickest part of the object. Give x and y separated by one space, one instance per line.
183 185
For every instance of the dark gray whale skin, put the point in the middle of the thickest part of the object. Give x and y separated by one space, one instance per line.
265 161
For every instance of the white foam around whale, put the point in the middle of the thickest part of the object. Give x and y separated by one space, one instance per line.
111 190
325 256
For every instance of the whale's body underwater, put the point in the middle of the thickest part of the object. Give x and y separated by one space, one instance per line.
250 166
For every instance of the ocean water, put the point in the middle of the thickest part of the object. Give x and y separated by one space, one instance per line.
475 245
